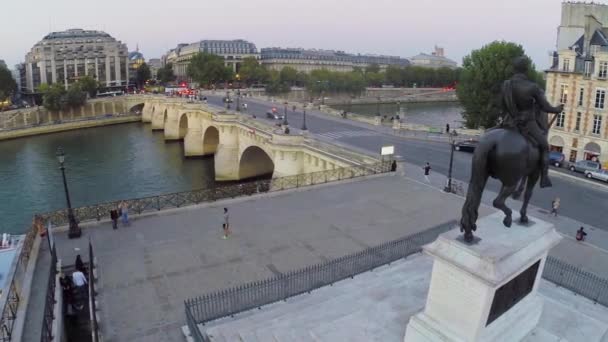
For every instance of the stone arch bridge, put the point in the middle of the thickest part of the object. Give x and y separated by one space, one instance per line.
242 147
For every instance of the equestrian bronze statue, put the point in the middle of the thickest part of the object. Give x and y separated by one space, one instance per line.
515 152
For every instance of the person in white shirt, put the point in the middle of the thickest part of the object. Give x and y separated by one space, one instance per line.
79 279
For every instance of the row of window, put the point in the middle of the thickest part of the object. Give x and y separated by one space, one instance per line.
600 96
602 68
595 129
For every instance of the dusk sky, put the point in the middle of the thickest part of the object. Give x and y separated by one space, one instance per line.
393 27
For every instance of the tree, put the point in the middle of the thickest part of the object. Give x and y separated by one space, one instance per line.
7 84
88 85
53 96
372 68
165 74
289 76
206 68
394 75
252 71
75 96
142 74
483 72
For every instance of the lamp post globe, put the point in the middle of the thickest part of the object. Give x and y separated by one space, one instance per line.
448 186
74 231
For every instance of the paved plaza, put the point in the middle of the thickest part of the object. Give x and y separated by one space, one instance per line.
146 270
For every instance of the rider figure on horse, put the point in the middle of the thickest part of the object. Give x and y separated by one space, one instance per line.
522 101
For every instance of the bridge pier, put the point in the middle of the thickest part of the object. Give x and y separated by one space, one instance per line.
146 114
227 155
193 143
158 118
172 127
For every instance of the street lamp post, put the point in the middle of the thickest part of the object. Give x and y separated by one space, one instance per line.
238 100
448 187
227 100
285 123
304 128
378 107
74 231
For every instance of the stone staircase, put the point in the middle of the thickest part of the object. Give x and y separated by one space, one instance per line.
336 313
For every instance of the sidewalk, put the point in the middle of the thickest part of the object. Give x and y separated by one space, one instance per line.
591 255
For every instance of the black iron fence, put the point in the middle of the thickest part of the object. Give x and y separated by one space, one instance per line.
49 304
180 199
208 307
202 309
11 300
92 296
577 280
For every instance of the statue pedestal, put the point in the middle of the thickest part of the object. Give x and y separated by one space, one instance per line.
485 291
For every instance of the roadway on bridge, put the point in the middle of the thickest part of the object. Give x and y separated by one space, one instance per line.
582 202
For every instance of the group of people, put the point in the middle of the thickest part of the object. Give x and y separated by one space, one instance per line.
74 287
122 212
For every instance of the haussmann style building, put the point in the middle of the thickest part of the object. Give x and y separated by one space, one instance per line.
307 60
435 60
578 78
232 51
63 57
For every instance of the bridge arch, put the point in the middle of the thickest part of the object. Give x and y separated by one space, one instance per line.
211 139
137 108
183 125
255 162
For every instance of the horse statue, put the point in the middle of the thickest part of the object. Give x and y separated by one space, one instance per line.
512 152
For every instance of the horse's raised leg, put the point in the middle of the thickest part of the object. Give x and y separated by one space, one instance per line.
499 202
532 179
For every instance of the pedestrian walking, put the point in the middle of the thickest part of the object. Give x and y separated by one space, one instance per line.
554 206
427 171
226 225
79 264
580 234
114 217
447 128
124 213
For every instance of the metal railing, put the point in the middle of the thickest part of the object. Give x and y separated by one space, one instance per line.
208 307
180 199
11 300
576 280
50 301
202 309
92 295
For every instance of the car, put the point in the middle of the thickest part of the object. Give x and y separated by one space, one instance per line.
466 145
585 165
274 115
597 174
556 158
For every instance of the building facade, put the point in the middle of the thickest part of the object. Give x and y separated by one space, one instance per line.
579 80
307 60
434 60
154 64
232 51
136 59
63 57
573 19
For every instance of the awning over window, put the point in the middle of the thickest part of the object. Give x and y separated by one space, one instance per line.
593 148
556 140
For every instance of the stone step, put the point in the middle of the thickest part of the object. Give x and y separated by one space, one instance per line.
342 292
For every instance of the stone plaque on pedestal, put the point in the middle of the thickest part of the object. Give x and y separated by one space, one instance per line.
485 291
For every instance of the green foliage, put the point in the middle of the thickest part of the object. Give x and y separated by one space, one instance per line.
75 96
325 81
483 72
289 76
142 74
274 85
88 85
205 69
165 74
8 86
252 72
372 68
53 96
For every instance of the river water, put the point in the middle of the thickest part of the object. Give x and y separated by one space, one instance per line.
436 114
102 164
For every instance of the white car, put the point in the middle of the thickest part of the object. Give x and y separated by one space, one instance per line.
597 174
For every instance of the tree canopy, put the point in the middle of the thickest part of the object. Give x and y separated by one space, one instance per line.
142 74
483 72
55 97
165 74
89 85
252 72
206 68
7 84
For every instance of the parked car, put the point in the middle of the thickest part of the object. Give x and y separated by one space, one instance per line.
273 115
556 158
585 165
466 145
597 174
